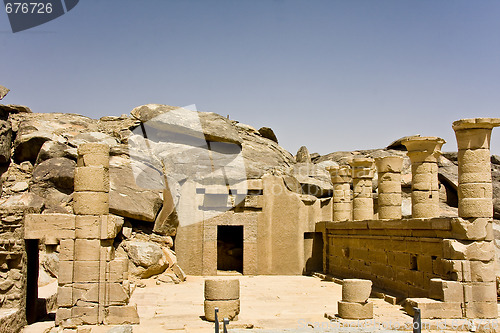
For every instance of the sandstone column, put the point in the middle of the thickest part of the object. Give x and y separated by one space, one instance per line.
342 194
475 209
362 175
389 187
474 168
423 153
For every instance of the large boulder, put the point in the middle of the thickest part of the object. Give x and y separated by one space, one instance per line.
268 133
303 155
148 258
127 199
164 121
3 92
53 149
53 180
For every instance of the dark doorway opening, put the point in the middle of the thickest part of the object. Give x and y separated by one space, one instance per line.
31 280
313 252
230 248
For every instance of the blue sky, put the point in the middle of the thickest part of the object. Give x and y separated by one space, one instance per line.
330 75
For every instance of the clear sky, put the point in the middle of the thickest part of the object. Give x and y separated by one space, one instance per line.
330 75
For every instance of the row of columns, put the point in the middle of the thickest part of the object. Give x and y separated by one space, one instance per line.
474 173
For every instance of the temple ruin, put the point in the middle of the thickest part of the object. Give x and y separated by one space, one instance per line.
443 265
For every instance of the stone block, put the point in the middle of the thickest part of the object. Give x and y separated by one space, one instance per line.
433 309
475 190
62 314
86 292
475 250
88 226
65 274
38 226
110 226
481 271
87 249
474 229
91 179
389 199
389 212
65 296
424 263
227 309
352 310
66 249
120 315
91 203
424 197
475 207
86 271
356 290
474 177
117 270
481 310
85 315
116 294
480 292
389 187
447 291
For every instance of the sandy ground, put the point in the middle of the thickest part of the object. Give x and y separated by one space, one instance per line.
268 304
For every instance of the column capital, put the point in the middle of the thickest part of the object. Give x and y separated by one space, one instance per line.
423 148
362 167
470 123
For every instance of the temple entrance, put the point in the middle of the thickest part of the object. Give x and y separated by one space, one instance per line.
230 248
32 280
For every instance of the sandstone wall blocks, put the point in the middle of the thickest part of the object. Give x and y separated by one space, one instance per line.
468 250
481 310
356 290
227 309
475 207
447 291
433 309
120 315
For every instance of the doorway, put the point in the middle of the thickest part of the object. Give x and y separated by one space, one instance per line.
230 248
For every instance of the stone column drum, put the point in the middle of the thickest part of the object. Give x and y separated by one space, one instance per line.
474 168
362 175
223 294
423 153
389 187
354 303
342 193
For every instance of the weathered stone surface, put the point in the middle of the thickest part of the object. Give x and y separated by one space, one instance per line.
179 121
314 180
52 149
3 92
14 108
121 329
268 133
22 203
227 309
5 141
356 290
303 155
353 310
127 199
398 144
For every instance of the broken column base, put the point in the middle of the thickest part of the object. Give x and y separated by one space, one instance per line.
354 310
227 309
432 309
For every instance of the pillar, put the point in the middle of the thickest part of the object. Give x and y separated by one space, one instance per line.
389 187
474 168
423 153
342 194
362 176
475 209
